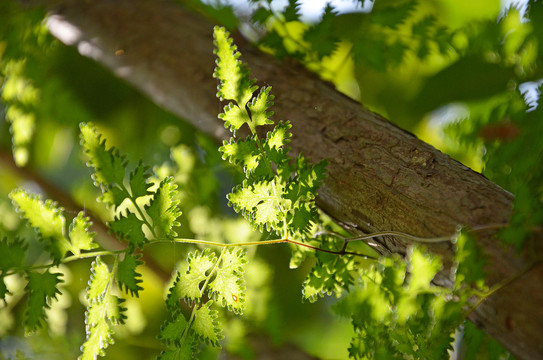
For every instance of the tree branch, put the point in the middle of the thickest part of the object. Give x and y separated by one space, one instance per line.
380 176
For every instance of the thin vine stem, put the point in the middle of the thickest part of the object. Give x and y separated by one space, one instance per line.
343 251
67 259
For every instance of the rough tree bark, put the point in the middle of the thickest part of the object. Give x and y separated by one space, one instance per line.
380 176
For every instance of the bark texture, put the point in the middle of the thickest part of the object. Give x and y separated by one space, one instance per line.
380 176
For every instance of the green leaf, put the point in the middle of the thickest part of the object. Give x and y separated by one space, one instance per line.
243 153
279 136
129 228
138 181
171 333
228 287
127 276
470 263
184 351
175 333
42 289
113 196
260 203
258 107
104 310
80 237
234 81
99 282
322 36
423 266
291 11
234 117
3 289
46 217
187 285
206 326
99 337
163 209
13 253
109 165
392 16
261 15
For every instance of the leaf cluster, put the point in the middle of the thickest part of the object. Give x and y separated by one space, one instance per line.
396 311
206 276
277 194
380 39
58 239
158 210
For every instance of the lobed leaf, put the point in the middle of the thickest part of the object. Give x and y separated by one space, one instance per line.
187 285
206 325
99 337
185 351
228 287
99 282
127 276
244 153
109 164
46 217
80 237
234 117
138 181
258 108
260 203
104 310
41 289
171 333
163 209
234 81
13 254
129 227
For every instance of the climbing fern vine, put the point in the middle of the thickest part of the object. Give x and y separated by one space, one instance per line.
395 309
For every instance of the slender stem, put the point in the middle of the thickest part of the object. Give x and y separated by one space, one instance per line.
426 240
402 235
264 242
65 260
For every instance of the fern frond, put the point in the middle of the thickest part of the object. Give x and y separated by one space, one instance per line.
46 217
41 289
228 287
187 285
206 326
127 276
163 209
